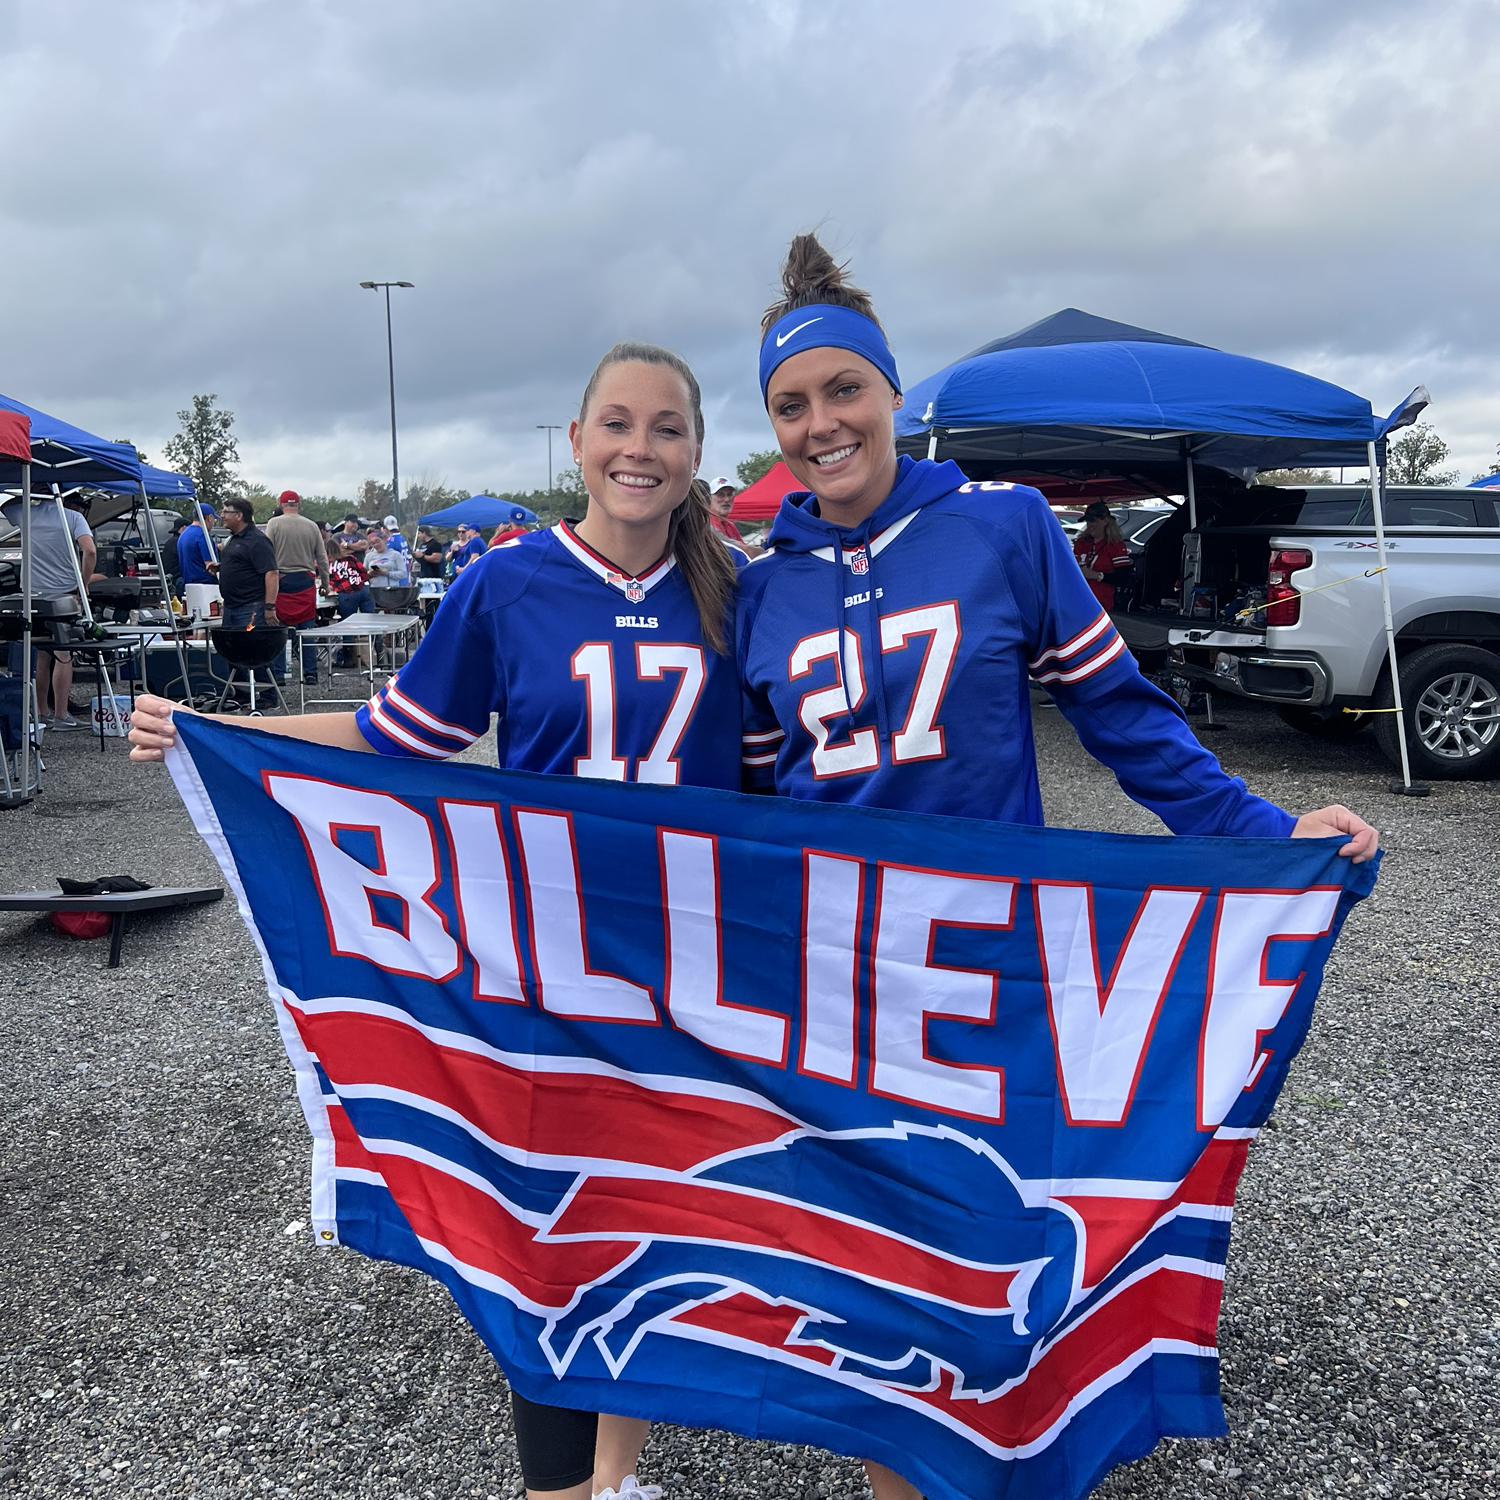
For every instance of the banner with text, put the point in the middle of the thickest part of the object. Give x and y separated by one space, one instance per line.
912 1138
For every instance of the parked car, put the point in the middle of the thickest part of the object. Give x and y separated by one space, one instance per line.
1279 599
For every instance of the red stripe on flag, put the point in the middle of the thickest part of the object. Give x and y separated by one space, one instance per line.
745 1317
549 1114
1166 1305
475 1229
1112 1226
702 1212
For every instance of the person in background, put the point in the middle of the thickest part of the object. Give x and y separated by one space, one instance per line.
348 581
194 550
720 502
55 542
467 545
513 526
350 586
351 538
1101 552
248 579
387 567
171 560
429 554
301 562
394 540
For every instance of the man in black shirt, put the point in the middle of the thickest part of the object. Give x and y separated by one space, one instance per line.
247 570
429 555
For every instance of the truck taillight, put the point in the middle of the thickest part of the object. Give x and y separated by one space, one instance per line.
1283 607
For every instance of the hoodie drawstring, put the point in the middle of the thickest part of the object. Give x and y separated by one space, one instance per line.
869 631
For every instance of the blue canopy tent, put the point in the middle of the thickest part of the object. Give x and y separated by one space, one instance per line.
1075 389
1489 482
1081 389
480 511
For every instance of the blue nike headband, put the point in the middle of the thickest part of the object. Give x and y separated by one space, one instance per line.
822 326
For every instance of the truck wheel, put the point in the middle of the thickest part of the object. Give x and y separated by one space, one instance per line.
1325 724
1451 706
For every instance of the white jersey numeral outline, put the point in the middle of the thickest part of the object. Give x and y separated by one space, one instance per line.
921 736
593 664
861 752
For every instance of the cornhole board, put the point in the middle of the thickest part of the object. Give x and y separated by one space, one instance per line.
118 904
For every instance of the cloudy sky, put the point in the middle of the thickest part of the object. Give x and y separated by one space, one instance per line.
191 190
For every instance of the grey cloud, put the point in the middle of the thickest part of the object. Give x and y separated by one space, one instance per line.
202 187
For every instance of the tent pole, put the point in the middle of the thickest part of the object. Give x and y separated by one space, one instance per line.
932 444
213 552
1192 495
28 667
1405 787
161 576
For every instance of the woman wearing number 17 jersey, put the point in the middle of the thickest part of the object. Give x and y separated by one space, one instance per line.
603 649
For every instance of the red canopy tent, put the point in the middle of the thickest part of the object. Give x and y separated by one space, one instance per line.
15 436
763 499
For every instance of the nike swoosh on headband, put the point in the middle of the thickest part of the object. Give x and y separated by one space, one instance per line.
781 338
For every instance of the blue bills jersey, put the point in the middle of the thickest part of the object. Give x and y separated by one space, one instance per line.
592 673
891 665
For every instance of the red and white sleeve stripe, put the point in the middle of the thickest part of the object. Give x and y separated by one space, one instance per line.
415 728
1078 659
760 749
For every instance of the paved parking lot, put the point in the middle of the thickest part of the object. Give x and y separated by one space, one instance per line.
165 1330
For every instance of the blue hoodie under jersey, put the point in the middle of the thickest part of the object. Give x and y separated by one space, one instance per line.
890 664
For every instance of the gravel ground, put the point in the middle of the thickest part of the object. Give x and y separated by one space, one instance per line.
166 1330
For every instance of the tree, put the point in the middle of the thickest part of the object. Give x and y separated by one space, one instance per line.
374 498
757 466
1494 468
1294 479
1414 458
205 450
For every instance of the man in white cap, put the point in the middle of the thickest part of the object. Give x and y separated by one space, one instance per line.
394 540
721 495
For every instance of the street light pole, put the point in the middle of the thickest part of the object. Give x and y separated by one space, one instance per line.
390 359
549 428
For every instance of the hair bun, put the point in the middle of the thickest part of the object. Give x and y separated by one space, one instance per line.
810 274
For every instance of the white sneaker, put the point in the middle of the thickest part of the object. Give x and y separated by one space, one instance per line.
68 723
629 1487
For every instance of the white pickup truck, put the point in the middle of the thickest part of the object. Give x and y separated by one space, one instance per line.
1304 563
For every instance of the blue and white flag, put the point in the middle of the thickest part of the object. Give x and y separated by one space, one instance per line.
913 1138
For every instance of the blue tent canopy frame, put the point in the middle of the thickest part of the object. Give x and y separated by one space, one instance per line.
1488 482
480 511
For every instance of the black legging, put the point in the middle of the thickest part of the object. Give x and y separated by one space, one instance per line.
554 1443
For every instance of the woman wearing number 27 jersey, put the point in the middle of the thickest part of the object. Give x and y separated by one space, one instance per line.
889 637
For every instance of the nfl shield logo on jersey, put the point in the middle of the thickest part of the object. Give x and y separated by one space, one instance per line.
634 592
860 562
